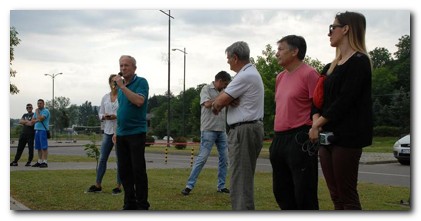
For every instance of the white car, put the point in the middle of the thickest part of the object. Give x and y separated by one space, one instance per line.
166 138
402 150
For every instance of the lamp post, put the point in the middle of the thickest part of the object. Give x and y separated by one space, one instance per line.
169 73
53 76
184 86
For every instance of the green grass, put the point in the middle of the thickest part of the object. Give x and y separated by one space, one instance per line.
64 190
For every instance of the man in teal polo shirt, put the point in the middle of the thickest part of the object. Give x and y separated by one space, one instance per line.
131 134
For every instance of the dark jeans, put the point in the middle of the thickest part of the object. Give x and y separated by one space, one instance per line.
132 170
23 140
340 169
295 172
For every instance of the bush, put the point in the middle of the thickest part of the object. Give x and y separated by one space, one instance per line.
387 131
180 143
149 140
196 139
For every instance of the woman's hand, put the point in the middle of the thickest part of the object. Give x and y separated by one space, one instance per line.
313 134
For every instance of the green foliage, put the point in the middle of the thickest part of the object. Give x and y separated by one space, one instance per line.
196 139
180 143
14 41
92 150
149 140
386 131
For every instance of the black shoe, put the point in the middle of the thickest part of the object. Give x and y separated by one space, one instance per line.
224 190
94 189
28 164
14 164
129 207
186 191
43 165
36 165
116 191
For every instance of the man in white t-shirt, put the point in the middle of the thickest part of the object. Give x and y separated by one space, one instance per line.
244 97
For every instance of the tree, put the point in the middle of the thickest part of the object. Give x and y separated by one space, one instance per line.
380 57
404 48
14 41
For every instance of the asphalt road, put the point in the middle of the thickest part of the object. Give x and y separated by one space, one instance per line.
392 174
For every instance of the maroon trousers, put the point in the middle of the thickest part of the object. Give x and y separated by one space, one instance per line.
340 169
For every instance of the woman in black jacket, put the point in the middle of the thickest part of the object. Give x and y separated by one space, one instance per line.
344 122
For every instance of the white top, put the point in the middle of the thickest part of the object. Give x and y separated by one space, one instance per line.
247 86
107 108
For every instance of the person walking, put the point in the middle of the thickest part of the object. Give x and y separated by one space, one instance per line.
26 137
293 158
213 131
245 98
346 115
130 136
108 116
41 120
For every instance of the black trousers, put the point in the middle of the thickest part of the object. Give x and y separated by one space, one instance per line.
24 139
132 170
295 172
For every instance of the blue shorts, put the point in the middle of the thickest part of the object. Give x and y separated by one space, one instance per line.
41 141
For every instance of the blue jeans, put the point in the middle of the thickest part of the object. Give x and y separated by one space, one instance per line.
207 139
106 147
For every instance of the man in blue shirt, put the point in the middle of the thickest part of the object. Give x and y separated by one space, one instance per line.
42 121
131 134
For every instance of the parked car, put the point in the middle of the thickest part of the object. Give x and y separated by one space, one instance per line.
402 150
166 138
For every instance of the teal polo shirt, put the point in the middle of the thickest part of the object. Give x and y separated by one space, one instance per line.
130 118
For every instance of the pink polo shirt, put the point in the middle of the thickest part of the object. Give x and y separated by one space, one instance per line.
293 97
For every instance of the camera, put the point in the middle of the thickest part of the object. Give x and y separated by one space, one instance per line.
325 138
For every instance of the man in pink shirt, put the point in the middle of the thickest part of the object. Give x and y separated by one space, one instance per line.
293 159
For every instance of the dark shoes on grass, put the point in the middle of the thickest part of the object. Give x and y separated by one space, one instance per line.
223 190
186 191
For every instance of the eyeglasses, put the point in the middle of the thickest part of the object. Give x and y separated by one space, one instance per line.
332 27
28 107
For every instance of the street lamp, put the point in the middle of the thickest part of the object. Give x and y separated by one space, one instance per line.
169 73
184 85
53 76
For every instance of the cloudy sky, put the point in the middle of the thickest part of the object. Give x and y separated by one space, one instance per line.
84 39
85 45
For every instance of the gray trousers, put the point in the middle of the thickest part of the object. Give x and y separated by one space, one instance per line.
244 145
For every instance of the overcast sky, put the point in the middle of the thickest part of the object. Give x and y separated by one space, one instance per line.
85 45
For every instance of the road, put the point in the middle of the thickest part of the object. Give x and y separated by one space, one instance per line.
392 174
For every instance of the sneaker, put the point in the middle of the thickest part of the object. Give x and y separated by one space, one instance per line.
94 189
28 164
36 165
43 165
116 191
224 190
186 191
14 164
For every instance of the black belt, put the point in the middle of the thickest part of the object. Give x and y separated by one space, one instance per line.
232 126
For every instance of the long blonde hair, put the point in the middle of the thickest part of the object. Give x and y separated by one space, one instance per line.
356 34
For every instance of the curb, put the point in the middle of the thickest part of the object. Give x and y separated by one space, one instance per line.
17 206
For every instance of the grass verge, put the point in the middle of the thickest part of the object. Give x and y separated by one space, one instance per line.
49 190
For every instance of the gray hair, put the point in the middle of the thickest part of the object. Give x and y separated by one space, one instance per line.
129 57
239 48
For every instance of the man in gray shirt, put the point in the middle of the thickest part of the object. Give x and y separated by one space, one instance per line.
213 131
245 98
